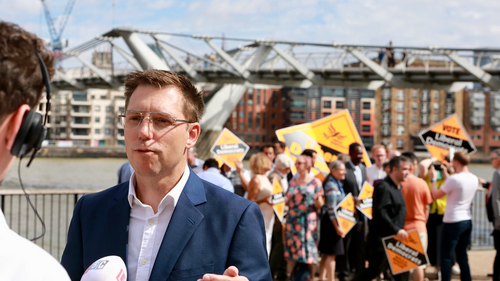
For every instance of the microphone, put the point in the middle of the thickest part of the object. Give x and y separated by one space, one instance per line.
106 268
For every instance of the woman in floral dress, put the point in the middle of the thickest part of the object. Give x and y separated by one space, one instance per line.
304 200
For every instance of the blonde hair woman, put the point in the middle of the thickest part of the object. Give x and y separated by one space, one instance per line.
260 190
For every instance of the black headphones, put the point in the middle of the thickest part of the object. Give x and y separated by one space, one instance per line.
33 131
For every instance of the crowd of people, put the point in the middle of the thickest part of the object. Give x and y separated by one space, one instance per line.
429 196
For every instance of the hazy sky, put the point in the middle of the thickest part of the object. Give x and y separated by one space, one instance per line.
445 23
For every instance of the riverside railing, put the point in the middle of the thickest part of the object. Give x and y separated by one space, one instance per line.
55 207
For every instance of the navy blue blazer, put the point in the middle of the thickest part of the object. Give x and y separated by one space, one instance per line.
210 230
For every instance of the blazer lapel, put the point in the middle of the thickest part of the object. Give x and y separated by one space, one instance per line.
118 217
185 220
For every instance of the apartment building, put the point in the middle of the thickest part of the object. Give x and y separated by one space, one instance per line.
401 114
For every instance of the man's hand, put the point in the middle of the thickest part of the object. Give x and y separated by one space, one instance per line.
357 202
340 232
231 274
239 165
432 173
402 235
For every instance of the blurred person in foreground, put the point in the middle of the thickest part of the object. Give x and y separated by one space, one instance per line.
389 213
304 200
355 240
194 162
125 172
331 235
494 200
239 177
22 57
213 175
376 172
418 199
260 190
282 167
457 221
166 222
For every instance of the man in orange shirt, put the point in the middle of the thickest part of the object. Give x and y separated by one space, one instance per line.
417 197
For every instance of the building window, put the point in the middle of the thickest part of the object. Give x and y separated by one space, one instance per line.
242 114
366 128
386 130
400 130
496 138
436 118
249 117
386 105
339 104
476 128
297 115
414 106
242 102
242 126
327 104
275 104
425 95
366 117
107 131
401 94
299 103
97 108
257 138
235 125
326 114
249 138
436 95
275 95
425 119
250 98
258 97
273 127
80 96
273 116
415 94
97 131
475 137
97 119
108 120
414 118
235 114
400 118
400 106
400 143
386 118
386 94
436 106
367 105
352 104
257 120
109 109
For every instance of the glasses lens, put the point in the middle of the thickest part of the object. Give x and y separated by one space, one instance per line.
132 119
161 120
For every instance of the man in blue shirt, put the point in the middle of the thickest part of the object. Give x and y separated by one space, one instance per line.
213 175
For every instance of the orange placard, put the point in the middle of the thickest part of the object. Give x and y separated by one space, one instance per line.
345 213
278 199
405 255
328 136
229 148
366 198
445 135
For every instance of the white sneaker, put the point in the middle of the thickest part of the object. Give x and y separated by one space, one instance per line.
455 269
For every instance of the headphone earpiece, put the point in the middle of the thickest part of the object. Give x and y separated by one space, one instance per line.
31 134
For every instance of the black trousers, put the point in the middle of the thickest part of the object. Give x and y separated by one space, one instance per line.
496 264
355 251
277 260
434 227
378 263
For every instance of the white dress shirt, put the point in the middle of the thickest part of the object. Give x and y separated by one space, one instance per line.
373 173
214 176
145 233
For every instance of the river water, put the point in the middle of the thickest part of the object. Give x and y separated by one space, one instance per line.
99 173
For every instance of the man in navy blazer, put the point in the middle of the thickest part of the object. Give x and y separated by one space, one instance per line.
166 223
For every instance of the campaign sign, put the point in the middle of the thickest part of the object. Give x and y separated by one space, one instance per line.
278 199
229 148
345 212
328 136
366 198
449 133
405 255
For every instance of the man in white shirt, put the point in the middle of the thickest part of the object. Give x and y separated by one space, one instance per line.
166 223
376 172
212 174
194 162
23 60
457 221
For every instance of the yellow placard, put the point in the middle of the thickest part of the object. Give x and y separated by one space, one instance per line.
278 199
345 213
366 198
328 136
229 148
448 133
405 255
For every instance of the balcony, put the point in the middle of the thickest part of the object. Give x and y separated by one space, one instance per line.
80 125
79 102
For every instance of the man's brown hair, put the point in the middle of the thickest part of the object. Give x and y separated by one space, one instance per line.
193 104
20 71
462 157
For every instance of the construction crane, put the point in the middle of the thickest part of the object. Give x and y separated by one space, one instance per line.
57 42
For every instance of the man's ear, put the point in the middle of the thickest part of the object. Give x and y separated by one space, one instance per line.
13 124
193 134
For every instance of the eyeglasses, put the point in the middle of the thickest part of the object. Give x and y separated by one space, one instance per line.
300 163
131 119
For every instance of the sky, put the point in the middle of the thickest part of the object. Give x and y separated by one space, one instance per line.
419 23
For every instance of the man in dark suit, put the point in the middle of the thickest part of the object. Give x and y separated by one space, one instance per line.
354 241
166 223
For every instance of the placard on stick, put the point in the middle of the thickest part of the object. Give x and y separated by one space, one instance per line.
405 255
278 199
345 212
229 148
366 198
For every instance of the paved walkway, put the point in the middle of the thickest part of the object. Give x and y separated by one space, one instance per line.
480 262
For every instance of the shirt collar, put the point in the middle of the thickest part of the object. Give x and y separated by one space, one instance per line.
391 182
213 170
174 193
353 164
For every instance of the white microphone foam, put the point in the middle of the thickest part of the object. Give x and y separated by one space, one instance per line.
106 268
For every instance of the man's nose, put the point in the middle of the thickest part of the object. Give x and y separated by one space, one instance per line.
144 127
